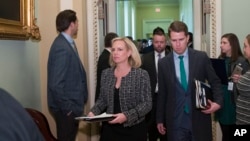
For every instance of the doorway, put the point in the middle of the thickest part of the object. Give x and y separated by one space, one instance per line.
150 25
131 16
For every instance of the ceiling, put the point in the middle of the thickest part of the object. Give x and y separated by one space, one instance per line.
157 1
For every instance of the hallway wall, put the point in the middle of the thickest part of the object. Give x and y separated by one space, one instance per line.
20 73
235 18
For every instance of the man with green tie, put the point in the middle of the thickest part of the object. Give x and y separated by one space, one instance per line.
176 94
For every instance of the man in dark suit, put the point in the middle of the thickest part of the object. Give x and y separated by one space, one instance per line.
176 95
67 84
190 41
103 60
149 63
15 122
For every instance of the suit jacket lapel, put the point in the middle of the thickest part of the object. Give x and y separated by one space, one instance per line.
153 63
71 48
172 68
192 62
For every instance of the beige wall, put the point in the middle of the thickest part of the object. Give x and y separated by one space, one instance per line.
46 14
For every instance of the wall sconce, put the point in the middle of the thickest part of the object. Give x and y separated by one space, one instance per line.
100 5
206 6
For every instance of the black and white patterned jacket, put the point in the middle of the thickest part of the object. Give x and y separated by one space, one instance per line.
134 94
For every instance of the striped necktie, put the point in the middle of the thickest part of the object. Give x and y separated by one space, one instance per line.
74 47
159 56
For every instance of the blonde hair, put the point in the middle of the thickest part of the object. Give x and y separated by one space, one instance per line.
134 59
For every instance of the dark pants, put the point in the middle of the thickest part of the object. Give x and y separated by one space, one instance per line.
153 133
226 133
182 134
117 132
66 126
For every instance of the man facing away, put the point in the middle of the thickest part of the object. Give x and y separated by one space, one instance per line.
67 84
150 63
103 60
176 96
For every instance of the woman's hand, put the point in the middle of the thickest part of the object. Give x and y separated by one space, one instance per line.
90 114
235 78
119 118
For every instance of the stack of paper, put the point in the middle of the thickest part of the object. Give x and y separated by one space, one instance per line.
203 91
98 118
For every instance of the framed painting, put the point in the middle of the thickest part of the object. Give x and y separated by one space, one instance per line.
17 20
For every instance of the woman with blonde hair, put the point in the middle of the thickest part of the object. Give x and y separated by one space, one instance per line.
126 93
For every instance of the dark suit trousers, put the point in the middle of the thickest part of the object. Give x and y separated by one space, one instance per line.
66 126
181 134
153 133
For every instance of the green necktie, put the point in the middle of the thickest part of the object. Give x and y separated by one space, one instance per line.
183 74
183 80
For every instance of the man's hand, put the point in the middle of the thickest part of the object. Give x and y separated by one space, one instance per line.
213 107
161 128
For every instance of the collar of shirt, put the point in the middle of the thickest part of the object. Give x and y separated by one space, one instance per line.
108 49
185 55
68 38
156 65
177 62
162 54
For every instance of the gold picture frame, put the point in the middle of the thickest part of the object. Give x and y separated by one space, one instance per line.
17 21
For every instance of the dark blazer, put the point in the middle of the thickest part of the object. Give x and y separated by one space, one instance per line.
148 63
67 84
199 68
102 64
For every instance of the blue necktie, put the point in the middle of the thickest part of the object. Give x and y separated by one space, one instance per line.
183 81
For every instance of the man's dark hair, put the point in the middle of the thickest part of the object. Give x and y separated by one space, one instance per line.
190 37
158 31
130 38
178 26
64 18
108 39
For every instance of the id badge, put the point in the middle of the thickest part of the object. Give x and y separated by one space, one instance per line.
230 86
